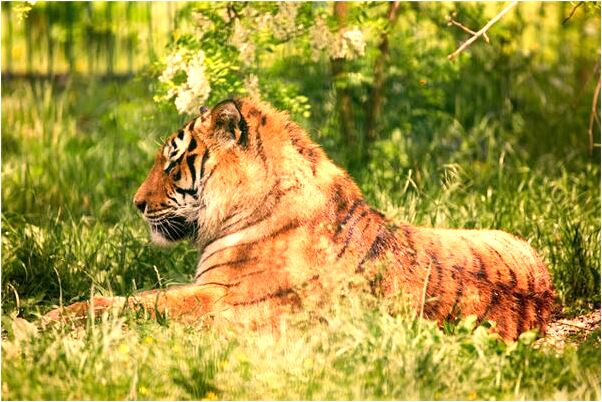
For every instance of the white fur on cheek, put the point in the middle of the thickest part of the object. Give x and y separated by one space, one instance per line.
157 238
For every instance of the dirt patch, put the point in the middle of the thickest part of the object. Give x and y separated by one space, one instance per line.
565 331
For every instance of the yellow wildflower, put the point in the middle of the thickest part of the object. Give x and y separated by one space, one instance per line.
210 396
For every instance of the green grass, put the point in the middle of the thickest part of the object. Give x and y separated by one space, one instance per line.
362 353
72 159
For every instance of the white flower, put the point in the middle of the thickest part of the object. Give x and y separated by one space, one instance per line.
197 82
195 90
241 40
349 45
196 79
283 24
355 39
203 23
185 101
173 64
264 21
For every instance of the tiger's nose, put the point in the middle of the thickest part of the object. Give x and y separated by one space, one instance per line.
141 205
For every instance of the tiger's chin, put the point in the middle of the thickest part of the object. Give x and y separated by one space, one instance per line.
160 240
169 232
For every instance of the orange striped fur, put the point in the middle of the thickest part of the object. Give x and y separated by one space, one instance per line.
277 224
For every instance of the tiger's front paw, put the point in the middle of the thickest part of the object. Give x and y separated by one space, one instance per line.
78 311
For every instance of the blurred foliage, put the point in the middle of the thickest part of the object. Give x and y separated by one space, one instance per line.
59 37
531 85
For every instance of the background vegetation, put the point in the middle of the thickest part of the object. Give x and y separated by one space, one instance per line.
496 139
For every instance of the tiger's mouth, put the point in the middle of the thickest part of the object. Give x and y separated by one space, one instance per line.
172 228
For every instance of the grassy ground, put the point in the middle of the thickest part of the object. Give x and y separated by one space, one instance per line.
72 159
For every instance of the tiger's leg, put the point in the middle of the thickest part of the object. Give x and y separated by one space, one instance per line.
188 302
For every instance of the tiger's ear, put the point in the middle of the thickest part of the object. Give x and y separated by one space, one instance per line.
229 124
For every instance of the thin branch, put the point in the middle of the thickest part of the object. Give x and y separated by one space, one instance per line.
595 72
483 30
593 116
564 21
451 21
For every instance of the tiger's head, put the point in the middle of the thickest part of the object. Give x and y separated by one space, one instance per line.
228 165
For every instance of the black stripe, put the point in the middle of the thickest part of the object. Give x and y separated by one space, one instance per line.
207 180
191 125
279 293
350 233
247 274
522 306
263 207
181 134
190 162
189 191
434 293
513 280
354 206
256 221
531 283
289 226
481 274
411 248
192 145
378 245
234 263
259 146
244 132
203 162
495 297
502 260
226 285
437 264
170 166
459 288
338 197
374 211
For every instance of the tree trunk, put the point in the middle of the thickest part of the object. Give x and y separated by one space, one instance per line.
149 15
49 40
89 42
69 40
110 38
376 94
29 44
9 40
338 66
130 40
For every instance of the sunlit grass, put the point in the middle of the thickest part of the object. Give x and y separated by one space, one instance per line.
362 352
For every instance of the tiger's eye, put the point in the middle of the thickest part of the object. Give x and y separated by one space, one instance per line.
203 109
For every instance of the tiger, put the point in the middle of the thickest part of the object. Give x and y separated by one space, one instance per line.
277 224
